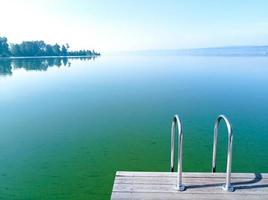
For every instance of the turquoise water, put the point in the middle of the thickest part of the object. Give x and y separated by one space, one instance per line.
68 125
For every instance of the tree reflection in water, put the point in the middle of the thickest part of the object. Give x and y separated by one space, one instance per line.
36 64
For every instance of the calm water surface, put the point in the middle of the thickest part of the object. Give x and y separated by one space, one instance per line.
68 125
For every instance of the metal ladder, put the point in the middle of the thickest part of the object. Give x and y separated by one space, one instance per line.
176 122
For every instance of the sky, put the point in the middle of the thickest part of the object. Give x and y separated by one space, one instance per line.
127 25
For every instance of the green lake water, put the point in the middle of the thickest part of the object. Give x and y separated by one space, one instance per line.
68 125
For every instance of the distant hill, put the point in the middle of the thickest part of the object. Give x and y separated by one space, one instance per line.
229 51
213 51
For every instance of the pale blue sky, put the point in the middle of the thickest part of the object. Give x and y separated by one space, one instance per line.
107 25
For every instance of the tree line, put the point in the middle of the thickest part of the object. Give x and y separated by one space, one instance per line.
39 48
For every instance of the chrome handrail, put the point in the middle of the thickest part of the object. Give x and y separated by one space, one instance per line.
227 186
176 122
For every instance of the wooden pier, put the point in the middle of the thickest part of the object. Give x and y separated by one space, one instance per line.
201 186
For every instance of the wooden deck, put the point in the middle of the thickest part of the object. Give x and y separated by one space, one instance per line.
201 186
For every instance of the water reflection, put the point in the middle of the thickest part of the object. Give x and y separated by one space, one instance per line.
7 66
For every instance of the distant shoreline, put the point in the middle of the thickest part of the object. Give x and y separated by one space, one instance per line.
231 51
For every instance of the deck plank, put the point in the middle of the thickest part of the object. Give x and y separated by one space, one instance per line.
161 185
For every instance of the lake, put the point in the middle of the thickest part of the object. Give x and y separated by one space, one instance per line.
67 125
